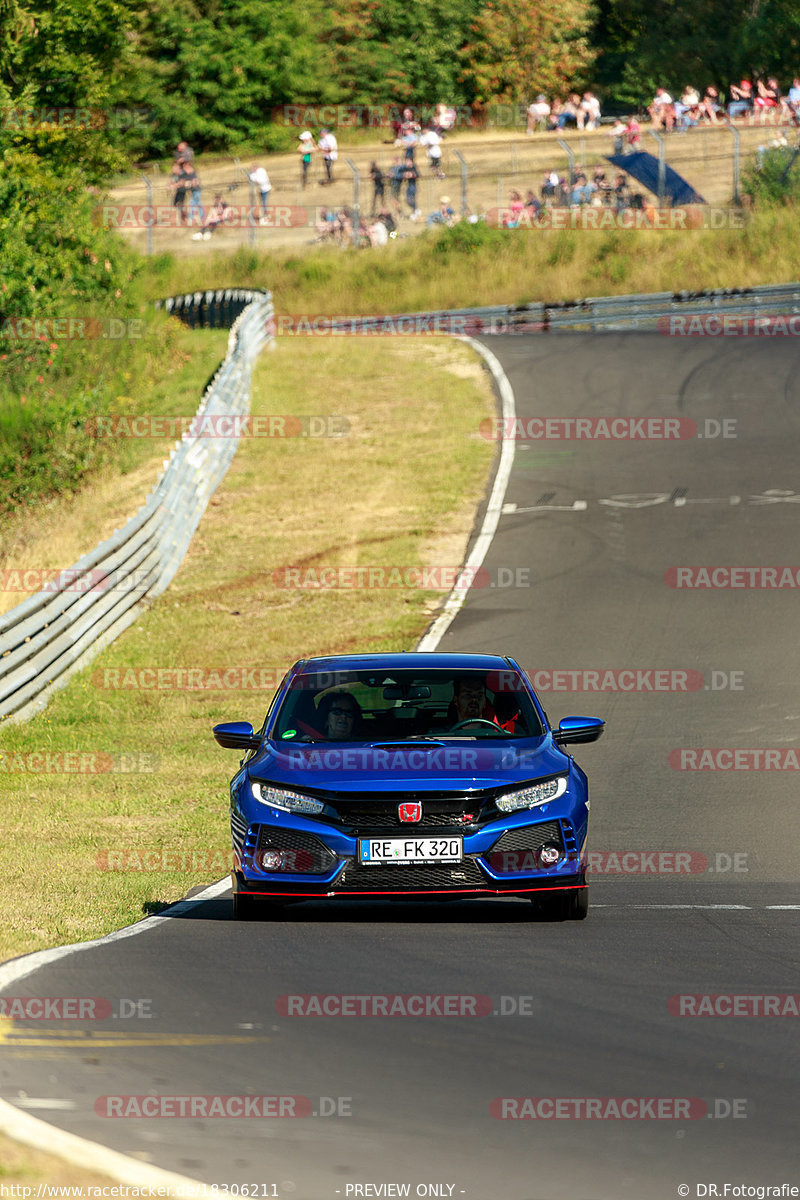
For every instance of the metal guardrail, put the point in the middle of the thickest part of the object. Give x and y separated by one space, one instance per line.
47 637
594 313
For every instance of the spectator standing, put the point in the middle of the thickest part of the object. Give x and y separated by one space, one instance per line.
432 142
191 183
396 177
260 178
305 149
617 132
378 186
178 181
330 152
411 175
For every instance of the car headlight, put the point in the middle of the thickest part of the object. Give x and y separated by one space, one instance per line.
290 801
530 797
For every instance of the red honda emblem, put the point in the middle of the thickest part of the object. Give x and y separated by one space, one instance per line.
410 813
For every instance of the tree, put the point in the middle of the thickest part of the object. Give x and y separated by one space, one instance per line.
520 47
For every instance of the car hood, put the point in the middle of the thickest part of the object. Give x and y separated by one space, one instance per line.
416 766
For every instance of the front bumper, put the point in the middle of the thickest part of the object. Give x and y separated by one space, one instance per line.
320 861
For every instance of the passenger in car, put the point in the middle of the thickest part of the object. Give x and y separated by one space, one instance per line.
339 715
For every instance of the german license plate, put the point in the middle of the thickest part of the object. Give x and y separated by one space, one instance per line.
372 851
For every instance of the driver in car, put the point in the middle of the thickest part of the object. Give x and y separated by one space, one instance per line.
472 704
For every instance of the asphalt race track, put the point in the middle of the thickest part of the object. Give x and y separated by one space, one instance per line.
692 867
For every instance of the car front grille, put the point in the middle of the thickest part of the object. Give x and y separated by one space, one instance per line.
374 816
433 877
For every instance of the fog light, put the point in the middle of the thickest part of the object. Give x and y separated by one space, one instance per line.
270 860
549 856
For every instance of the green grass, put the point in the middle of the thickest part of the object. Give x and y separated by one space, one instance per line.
476 265
44 447
400 489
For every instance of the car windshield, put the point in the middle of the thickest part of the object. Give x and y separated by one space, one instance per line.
403 705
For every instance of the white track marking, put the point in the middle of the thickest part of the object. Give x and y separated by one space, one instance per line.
494 508
91 1156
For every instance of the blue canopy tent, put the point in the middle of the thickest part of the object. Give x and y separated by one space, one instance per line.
644 167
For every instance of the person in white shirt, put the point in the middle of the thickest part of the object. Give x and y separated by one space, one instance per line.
330 152
662 110
589 112
260 178
538 112
430 139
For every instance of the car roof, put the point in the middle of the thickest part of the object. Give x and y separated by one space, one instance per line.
413 660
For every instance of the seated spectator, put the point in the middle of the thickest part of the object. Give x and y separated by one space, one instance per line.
662 110
532 206
325 225
444 215
556 109
622 193
633 136
741 101
538 114
386 218
569 111
377 233
550 187
582 189
793 98
711 105
589 112
602 187
511 215
214 218
768 97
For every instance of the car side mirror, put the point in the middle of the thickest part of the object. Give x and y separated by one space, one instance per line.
578 729
236 735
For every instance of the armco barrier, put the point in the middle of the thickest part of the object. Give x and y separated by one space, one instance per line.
597 313
50 635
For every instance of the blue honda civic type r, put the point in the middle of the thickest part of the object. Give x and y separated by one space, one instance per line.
432 776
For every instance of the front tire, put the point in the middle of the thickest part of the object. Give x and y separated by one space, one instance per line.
245 908
571 905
